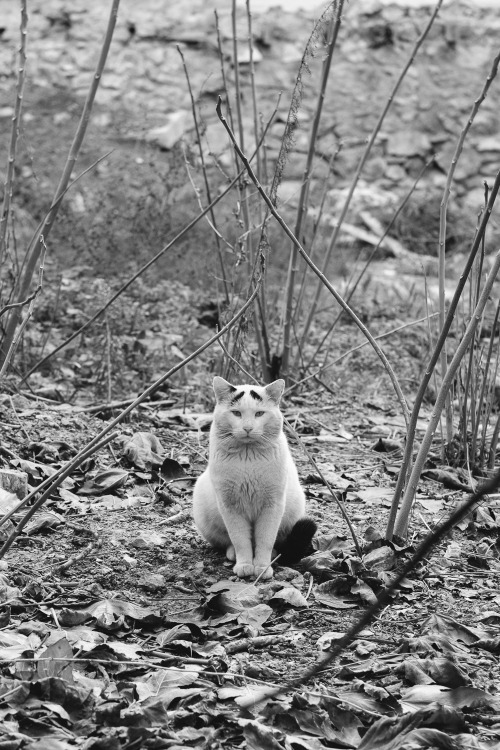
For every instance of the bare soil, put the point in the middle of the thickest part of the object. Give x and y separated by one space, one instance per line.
115 582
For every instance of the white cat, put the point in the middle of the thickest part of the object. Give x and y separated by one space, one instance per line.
249 499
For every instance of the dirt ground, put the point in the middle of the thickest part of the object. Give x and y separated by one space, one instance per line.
122 628
119 627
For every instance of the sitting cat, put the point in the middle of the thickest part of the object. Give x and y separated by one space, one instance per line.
249 499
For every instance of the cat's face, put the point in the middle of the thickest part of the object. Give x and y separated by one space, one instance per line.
248 413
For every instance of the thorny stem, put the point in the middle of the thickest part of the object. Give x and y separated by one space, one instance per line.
315 269
359 169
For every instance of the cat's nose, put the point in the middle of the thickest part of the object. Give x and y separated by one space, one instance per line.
248 430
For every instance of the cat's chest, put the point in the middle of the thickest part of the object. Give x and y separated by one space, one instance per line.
249 477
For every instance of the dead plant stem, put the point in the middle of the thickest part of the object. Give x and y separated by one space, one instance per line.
254 95
14 133
48 487
442 233
362 162
315 269
205 178
104 436
409 495
133 278
36 247
444 331
304 190
384 597
351 291
482 396
31 300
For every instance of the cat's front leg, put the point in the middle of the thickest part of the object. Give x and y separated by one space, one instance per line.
266 531
241 551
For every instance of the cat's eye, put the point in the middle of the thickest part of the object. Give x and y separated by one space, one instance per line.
236 413
259 413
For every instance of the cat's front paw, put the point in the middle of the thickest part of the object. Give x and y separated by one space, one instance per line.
264 572
244 570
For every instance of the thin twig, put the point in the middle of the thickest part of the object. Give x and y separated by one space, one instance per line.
205 178
304 190
14 133
143 268
352 289
384 597
103 437
407 501
362 162
36 247
321 276
50 485
442 229
17 337
419 398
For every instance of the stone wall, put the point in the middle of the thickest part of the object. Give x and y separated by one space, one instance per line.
143 94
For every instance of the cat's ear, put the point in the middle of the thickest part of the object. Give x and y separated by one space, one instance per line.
275 390
222 389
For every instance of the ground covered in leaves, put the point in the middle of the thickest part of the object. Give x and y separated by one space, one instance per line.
120 628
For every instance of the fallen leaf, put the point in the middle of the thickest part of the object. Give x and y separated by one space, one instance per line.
290 595
171 469
161 681
143 450
104 481
43 521
51 661
328 594
382 558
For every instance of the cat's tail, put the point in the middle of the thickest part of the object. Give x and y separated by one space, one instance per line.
298 542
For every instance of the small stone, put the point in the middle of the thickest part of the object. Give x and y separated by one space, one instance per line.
15 482
152 581
408 143
395 172
130 562
168 135
147 540
488 144
375 168
381 558
244 55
